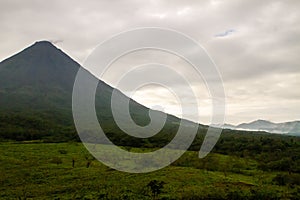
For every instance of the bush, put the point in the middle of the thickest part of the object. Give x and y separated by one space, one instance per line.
56 160
156 187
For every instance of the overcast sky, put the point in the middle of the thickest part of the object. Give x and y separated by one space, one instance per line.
255 44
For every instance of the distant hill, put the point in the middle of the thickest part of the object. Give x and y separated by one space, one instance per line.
290 128
36 97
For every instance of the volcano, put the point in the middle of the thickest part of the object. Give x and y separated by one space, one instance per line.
36 97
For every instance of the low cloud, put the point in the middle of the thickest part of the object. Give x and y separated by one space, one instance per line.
255 44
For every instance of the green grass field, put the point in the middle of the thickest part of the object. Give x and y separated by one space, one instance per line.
45 171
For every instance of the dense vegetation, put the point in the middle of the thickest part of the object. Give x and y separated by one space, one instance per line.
276 152
68 171
243 165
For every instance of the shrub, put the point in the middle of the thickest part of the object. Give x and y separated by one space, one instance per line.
56 160
156 187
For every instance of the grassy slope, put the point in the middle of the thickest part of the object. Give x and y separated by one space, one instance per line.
27 170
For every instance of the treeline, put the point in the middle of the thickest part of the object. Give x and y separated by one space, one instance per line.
33 127
274 152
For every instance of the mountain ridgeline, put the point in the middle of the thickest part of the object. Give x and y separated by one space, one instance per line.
289 128
36 103
36 99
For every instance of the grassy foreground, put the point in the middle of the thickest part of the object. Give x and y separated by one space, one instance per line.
68 171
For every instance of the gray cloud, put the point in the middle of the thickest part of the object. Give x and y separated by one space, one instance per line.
259 60
226 33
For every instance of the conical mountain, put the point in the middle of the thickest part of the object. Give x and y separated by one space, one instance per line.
36 96
39 77
37 64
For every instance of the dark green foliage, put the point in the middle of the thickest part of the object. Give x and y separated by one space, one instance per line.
156 187
274 152
287 179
